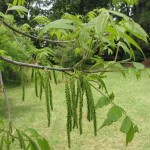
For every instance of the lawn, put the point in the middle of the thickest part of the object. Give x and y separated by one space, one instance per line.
132 95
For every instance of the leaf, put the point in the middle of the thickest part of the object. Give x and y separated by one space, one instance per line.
133 42
33 145
33 132
44 145
136 30
101 22
58 24
1 122
18 8
103 101
21 140
134 72
113 115
1 14
138 65
148 71
130 134
126 125
84 37
124 47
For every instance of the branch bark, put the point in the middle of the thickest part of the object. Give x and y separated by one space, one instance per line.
34 66
31 36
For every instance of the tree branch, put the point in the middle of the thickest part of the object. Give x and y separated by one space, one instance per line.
31 36
34 66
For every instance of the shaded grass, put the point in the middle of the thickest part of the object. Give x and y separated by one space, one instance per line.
132 95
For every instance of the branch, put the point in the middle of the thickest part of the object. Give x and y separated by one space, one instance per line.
34 66
31 36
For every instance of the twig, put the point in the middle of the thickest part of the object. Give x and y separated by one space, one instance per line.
34 66
33 37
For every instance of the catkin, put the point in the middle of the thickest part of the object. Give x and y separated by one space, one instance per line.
50 95
69 120
23 84
47 101
54 76
81 92
36 83
73 102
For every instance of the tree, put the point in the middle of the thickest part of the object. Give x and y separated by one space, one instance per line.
89 40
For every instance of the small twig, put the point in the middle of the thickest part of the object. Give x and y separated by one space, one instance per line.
33 37
34 66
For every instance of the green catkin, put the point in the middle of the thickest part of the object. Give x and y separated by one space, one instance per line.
36 83
81 92
69 124
32 74
23 85
73 102
41 89
23 93
54 76
41 84
88 97
47 101
94 121
49 75
92 106
50 95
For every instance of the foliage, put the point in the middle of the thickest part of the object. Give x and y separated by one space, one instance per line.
92 37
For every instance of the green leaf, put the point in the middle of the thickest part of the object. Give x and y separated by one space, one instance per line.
43 144
33 145
136 30
126 125
18 8
103 101
21 140
124 47
134 72
84 37
148 71
58 24
1 14
130 134
33 132
101 22
138 65
1 122
113 115
133 42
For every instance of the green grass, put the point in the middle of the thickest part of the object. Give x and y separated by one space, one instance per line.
132 95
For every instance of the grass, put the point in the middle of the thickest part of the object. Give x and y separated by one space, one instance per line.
132 95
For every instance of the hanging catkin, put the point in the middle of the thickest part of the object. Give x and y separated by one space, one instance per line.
91 114
54 76
41 83
69 120
23 84
36 82
50 94
81 92
32 74
73 102
88 97
46 85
